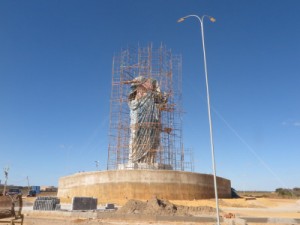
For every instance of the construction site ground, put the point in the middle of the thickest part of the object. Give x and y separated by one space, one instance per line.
243 211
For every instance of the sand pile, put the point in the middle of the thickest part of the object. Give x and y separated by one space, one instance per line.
157 206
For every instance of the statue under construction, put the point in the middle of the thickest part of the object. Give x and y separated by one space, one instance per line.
145 118
146 157
145 102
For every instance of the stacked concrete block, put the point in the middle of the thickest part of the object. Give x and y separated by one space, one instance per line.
84 203
110 206
58 207
46 203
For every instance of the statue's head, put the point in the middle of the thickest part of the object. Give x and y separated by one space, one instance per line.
149 84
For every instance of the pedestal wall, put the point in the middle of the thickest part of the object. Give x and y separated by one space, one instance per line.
121 185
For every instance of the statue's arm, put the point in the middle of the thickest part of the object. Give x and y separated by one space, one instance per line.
161 98
129 82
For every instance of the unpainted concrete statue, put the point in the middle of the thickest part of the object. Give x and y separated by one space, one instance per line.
145 101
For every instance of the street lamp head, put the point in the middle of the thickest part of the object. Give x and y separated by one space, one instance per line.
212 19
180 20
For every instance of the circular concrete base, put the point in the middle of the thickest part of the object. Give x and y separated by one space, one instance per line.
120 185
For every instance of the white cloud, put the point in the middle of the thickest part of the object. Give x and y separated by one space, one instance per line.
291 123
296 124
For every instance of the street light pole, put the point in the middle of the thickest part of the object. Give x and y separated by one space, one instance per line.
5 170
97 164
208 107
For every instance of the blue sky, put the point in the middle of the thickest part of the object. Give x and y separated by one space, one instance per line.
55 78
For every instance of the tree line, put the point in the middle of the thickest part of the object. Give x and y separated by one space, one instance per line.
285 192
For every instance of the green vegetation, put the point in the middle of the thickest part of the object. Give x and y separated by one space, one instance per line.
284 192
278 193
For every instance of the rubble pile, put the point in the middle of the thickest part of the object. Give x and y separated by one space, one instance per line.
157 206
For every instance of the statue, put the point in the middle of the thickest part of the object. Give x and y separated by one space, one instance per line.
145 101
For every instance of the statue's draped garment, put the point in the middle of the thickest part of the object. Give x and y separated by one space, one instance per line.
145 103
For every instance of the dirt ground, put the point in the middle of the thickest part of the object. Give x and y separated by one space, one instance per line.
258 207
282 209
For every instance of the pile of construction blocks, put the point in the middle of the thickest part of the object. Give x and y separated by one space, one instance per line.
46 203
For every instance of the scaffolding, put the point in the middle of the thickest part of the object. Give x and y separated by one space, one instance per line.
141 73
